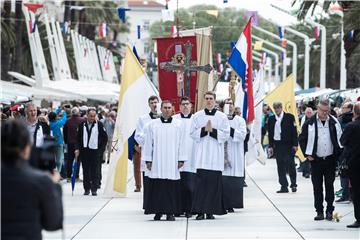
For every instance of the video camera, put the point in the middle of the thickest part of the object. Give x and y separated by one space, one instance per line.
43 157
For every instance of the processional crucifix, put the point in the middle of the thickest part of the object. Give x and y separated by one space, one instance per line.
183 66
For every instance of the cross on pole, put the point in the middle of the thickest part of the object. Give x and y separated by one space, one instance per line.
183 66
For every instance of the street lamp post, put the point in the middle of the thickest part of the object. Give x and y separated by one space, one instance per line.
294 61
306 55
283 50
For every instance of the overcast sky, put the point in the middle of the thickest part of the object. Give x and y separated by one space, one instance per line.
262 6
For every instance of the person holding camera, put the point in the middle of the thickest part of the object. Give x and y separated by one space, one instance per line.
57 121
31 200
91 143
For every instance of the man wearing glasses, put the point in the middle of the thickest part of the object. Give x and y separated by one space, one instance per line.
283 143
209 129
320 143
188 171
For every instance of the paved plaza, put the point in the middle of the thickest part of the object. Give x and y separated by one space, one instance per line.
267 215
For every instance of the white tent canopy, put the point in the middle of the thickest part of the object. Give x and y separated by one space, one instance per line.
13 92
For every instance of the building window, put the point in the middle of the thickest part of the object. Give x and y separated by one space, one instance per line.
146 47
146 25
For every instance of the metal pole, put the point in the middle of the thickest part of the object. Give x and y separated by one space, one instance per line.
323 52
294 63
276 58
342 59
306 55
283 50
323 45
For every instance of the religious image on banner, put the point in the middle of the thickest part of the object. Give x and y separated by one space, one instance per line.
178 68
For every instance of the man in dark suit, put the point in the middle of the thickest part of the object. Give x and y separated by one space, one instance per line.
351 140
91 143
320 143
283 144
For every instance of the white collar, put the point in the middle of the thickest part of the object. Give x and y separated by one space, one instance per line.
279 117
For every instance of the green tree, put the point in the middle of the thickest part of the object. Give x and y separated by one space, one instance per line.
351 24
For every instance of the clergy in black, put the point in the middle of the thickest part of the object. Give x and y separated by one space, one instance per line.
91 142
283 143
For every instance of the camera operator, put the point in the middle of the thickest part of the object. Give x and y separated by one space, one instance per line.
30 199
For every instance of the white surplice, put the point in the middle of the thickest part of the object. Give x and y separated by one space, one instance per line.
235 148
189 165
139 136
209 151
164 147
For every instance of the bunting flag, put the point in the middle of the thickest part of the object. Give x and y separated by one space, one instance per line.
258 45
32 25
103 30
135 53
173 31
316 32
214 13
122 13
351 35
65 27
107 60
254 15
85 51
33 7
240 61
282 36
138 31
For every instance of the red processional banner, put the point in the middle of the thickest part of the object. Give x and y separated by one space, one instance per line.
176 77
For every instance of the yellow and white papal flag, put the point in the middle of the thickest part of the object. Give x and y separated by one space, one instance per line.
135 90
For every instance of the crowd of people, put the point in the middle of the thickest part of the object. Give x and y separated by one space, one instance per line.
185 163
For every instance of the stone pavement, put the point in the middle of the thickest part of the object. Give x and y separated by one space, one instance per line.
267 215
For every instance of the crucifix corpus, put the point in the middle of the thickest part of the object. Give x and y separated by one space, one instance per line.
182 65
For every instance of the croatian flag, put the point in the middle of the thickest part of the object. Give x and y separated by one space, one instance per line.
107 60
104 31
282 36
240 61
33 7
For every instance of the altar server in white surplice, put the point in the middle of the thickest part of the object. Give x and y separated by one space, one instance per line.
188 171
139 164
164 153
234 161
210 129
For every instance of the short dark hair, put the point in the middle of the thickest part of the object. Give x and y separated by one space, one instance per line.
14 138
210 93
324 102
90 110
52 116
349 105
165 101
153 97
277 105
184 99
357 108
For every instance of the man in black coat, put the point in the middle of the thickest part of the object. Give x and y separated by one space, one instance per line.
351 140
283 143
91 143
320 143
344 119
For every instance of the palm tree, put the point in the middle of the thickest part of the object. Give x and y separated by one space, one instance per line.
352 34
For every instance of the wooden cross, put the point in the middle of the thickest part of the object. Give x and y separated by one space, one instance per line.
183 66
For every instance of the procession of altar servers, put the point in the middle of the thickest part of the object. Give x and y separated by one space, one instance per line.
191 163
